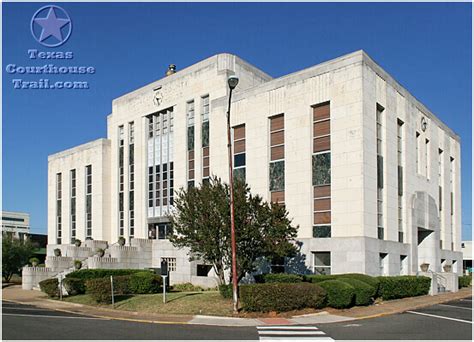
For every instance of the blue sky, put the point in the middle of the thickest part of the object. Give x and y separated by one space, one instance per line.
426 47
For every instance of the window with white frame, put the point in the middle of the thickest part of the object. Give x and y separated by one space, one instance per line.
59 191
171 263
322 262
88 201
380 171
72 193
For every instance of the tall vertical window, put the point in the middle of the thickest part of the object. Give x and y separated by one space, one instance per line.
160 163
440 195
277 159
380 181
382 263
88 201
427 158
418 149
131 178
239 152
59 192
400 178
121 174
451 185
321 171
205 138
73 204
190 139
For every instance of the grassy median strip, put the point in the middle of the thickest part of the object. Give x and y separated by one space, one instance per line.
191 303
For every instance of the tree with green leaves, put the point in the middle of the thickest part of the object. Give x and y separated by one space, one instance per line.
201 222
15 255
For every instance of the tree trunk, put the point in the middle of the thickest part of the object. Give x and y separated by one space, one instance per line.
219 269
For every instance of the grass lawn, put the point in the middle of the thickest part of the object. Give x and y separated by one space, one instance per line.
193 303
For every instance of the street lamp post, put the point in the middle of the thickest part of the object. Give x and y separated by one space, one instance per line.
232 82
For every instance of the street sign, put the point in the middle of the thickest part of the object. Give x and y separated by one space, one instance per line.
164 268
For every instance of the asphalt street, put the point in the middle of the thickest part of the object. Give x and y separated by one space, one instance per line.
447 321
21 322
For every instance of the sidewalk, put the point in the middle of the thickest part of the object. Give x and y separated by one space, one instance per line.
36 298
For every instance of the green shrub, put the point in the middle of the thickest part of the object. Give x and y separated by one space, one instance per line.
187 287
364 293
99 289
317 278
403 286
282 278
50 287
144 282
121 285
34 261
339 294
74 286
281 296
226 290
101 273
372 281
465 281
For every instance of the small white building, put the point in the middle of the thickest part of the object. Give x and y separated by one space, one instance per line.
370 174
15 224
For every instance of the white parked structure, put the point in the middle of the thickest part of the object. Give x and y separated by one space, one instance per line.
369 174
15 224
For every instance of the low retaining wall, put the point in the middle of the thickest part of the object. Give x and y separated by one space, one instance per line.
59 263
31 276
107 263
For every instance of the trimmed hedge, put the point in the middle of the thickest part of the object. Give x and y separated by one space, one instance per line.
101 273
74 286
187 287
317 278
372 281
50 287
99 289
144 282
282 278
339 293
403 286
225 290
465 281
364 293
281 297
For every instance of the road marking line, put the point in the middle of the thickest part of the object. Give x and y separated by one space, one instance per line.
442 317
466 300
299 338
294 332
52 316
457 307
288 327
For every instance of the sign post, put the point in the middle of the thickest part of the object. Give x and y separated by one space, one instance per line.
164 275
112 290
60 287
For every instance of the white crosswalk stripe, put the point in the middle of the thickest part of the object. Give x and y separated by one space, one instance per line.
291 332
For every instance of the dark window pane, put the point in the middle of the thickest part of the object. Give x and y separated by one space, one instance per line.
277 175
190 138
205 134
239 174
322 169
322 231
239 160
379 172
